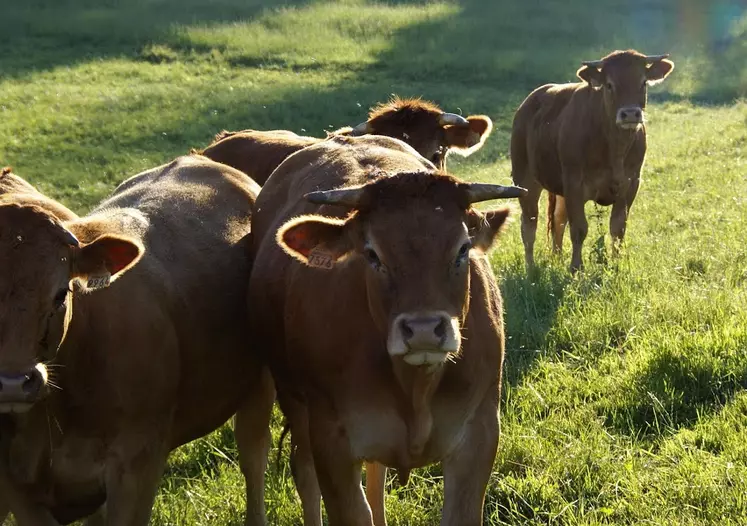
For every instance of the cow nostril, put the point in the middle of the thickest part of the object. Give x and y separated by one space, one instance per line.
33 382
623 115
638 115
407 331
440 330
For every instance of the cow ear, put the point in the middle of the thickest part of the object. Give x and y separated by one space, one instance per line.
467 140
316 241
484 227
591 75
105 259
658 71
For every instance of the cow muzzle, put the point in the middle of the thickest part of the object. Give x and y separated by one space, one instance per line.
19 391
424 338
629 117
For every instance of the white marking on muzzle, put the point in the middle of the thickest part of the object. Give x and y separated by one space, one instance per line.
424 348
630 117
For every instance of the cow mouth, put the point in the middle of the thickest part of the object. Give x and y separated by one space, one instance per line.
427 357
629 125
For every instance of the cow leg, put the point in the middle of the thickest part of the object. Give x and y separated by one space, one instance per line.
619 216
558 222
579 227
133 473
529 212
302 460
339 473
467 469
252 432
375 484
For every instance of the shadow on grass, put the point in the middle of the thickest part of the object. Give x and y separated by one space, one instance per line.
43 34
484 59
676 388
531 302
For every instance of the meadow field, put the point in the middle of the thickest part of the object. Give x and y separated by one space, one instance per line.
624 393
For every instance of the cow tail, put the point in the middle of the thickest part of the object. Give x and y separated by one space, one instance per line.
283 434
551 204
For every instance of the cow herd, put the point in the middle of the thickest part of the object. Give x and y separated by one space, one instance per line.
345 278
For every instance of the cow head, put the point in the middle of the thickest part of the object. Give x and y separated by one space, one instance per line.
41 263
623 77
415 235
428 129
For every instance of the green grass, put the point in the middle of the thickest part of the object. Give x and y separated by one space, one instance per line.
625 396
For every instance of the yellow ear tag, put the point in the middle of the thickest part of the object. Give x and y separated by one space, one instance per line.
99 282
320 258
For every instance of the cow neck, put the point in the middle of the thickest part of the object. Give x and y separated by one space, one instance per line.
619 140
24 444
418 383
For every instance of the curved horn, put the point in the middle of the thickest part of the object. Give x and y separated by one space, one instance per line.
349 197
452 119
593 63
69 238
477 192
362 129
656 58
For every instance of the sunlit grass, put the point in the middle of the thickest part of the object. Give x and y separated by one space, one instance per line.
624 395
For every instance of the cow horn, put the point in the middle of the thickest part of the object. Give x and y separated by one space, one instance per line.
349 197
452 119
362 129
656 58
477 192
69 238
593 63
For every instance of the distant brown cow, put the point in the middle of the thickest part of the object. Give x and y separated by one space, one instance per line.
419 123
381 320
584 141
123 336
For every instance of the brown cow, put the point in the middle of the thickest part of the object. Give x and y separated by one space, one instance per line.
419 123
256 153
381 319
123 336
584 141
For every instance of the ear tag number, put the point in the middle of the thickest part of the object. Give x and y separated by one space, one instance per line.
319 258
99 282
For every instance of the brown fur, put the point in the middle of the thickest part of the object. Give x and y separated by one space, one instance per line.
156 359
415 121
569 139
256 153
325 330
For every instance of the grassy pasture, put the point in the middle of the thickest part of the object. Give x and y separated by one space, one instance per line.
625 396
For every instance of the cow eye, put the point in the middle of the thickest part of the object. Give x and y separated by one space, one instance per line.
610 86
463 253
372 257
60 298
